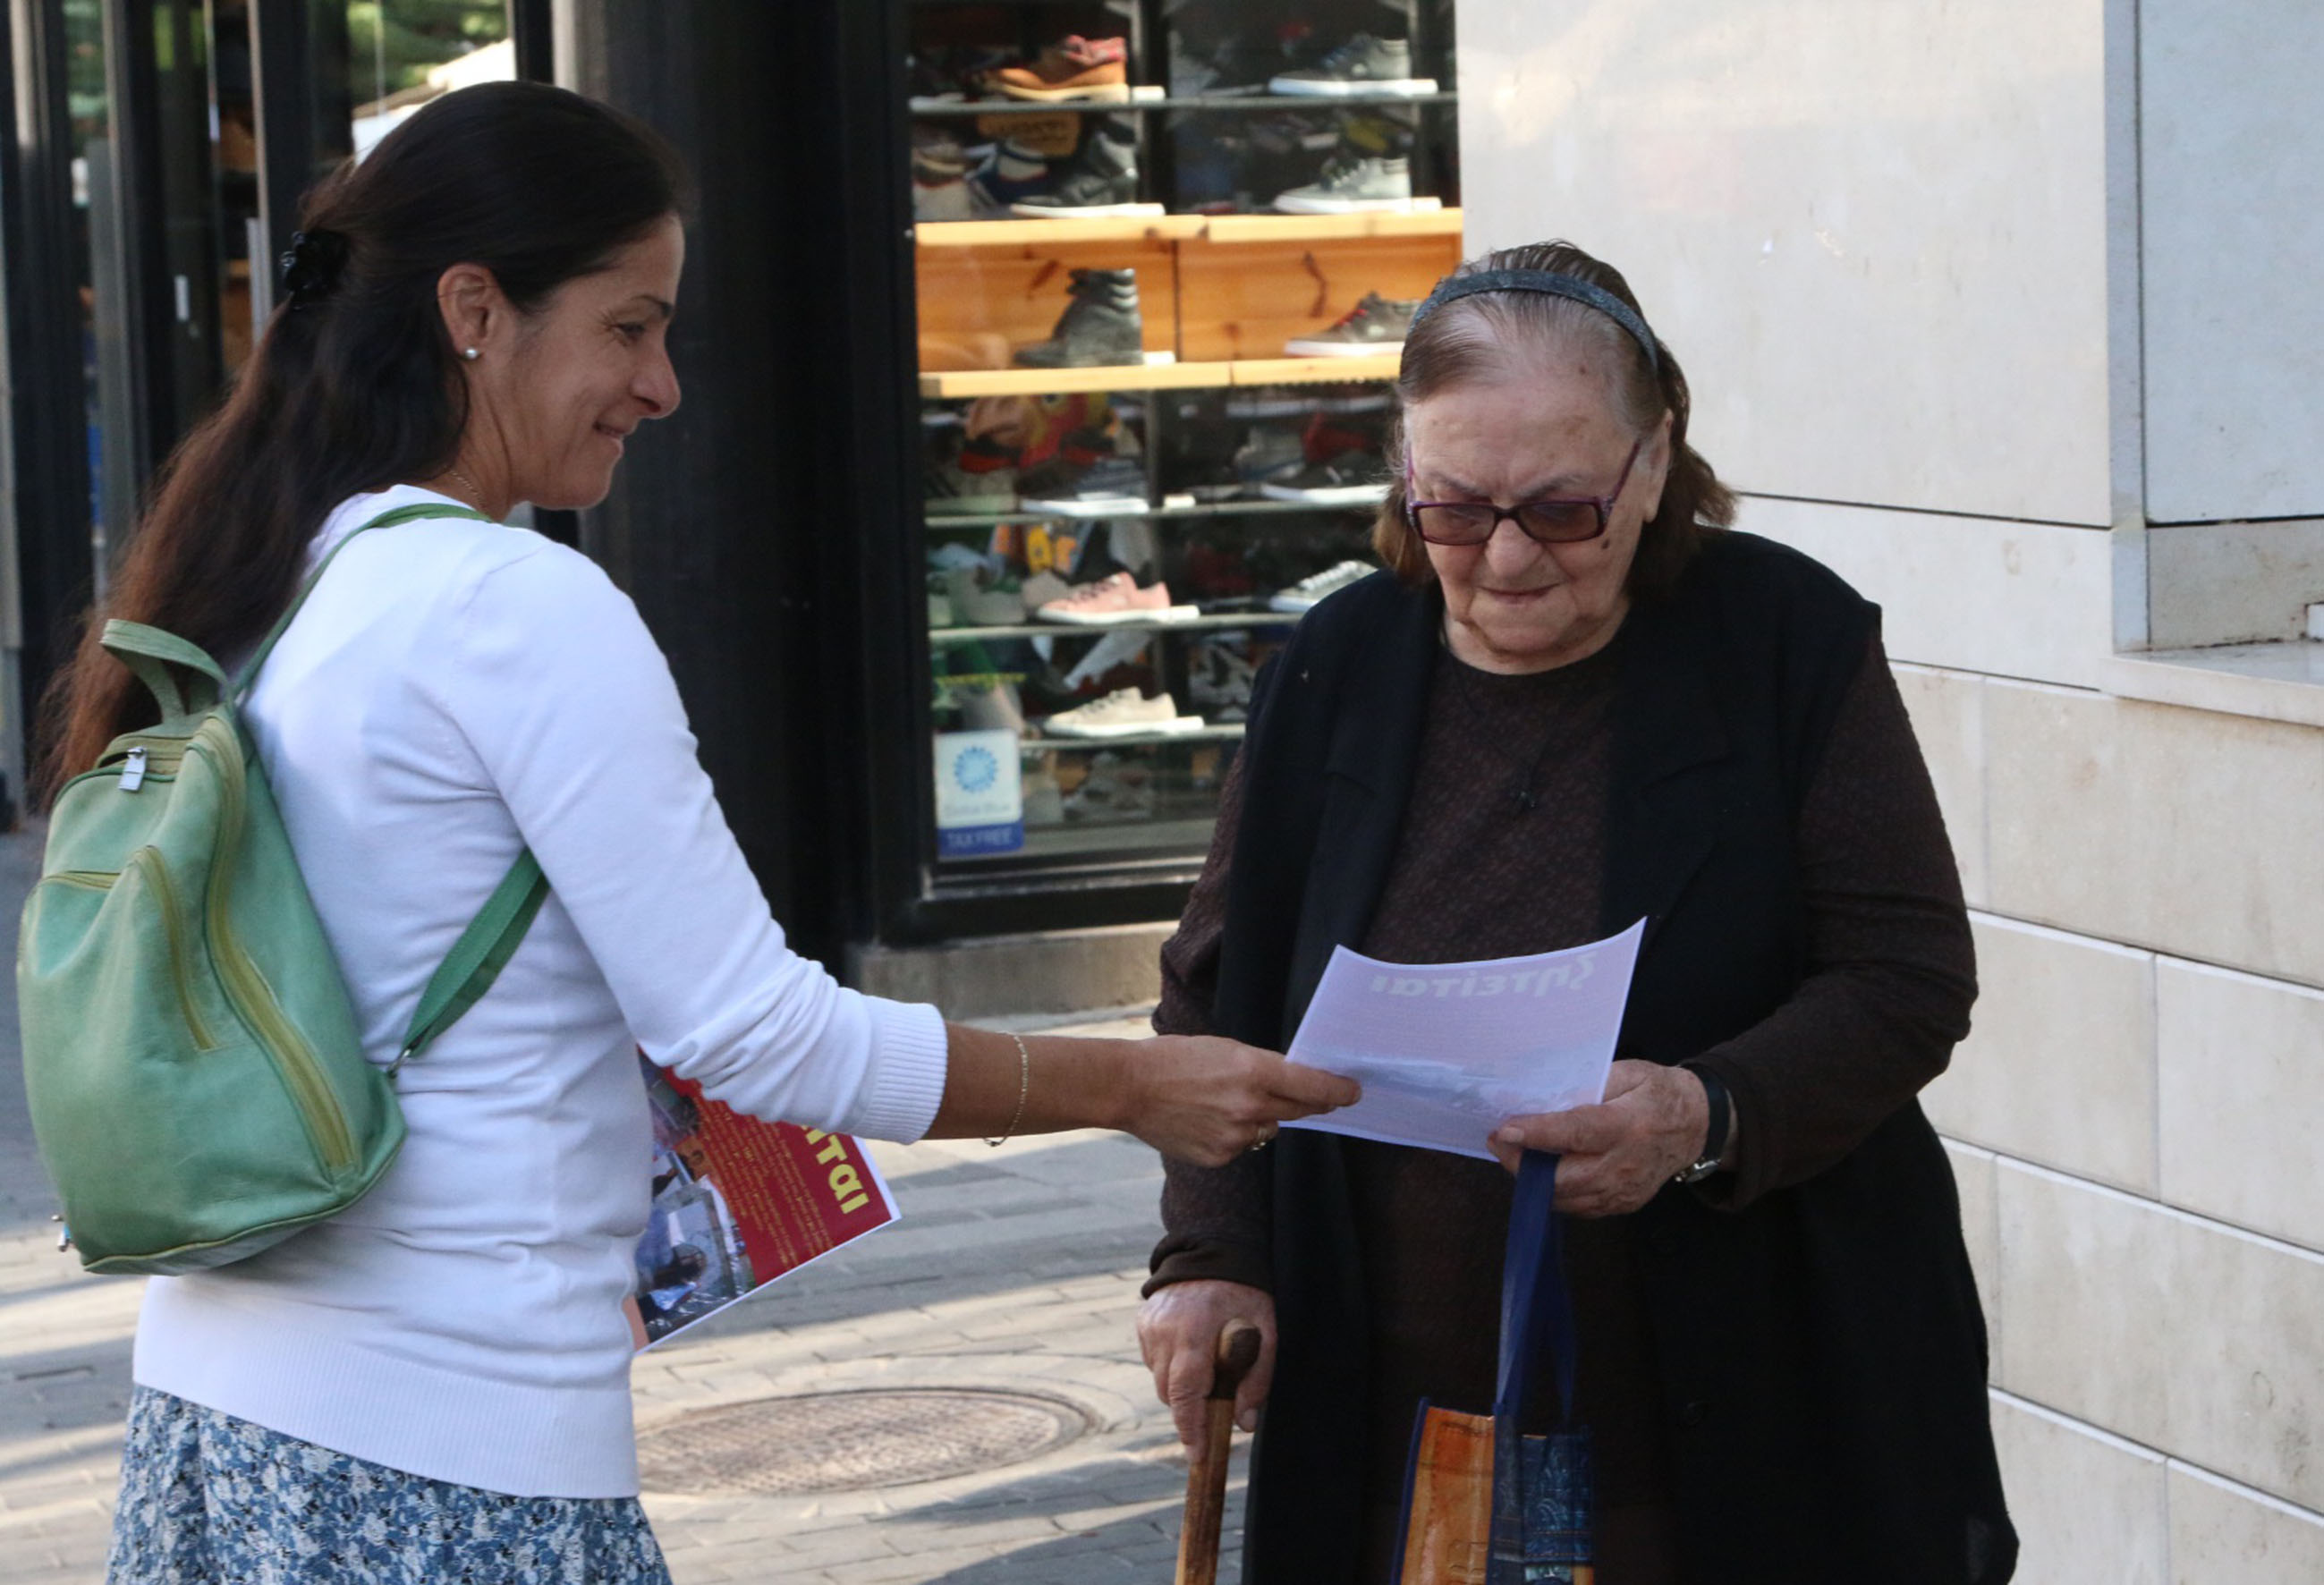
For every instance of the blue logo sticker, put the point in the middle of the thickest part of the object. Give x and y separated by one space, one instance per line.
976 769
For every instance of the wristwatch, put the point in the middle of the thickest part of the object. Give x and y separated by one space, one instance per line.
1714 1139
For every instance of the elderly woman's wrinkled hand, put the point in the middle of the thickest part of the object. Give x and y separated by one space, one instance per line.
1618 1154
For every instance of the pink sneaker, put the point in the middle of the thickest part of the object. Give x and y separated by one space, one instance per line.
1116 599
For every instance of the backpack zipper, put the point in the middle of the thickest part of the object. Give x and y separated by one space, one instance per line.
245 986
147 863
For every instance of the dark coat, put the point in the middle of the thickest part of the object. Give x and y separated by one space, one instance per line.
1823 1351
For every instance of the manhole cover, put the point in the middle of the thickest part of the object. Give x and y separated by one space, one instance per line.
848 1441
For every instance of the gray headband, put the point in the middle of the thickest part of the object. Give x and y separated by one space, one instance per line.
1549 284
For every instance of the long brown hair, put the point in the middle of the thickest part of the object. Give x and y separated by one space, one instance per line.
1473 337
354 384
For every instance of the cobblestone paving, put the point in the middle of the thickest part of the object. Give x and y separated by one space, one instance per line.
1012 1268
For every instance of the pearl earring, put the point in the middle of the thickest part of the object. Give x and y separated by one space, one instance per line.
471 354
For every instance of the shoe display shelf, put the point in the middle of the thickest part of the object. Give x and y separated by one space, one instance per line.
1215 621
1222 295
1178 304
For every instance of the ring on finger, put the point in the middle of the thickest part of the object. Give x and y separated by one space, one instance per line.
1267 1132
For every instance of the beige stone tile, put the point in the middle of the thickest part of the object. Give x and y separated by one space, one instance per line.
2242 1089
2246 1384
1948 714
1973 1173
2222 1533
2008 599
2187 831
2089 1303
2199 1340
2088 1506
2059 1066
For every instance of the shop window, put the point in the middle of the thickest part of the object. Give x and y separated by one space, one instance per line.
402 54
1165 254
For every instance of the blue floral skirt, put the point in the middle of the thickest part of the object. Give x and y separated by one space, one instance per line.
209 1499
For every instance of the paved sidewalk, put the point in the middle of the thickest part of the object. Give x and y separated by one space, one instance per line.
1012 1267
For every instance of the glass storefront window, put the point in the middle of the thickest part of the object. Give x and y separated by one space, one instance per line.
402 54
1165 253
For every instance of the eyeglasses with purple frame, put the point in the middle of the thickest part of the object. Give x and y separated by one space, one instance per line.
1561 520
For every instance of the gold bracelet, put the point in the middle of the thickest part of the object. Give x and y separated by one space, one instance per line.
1023 1089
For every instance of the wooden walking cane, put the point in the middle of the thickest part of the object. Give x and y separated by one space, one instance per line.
1206 1471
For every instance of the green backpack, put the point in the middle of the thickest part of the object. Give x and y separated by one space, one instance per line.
196 1083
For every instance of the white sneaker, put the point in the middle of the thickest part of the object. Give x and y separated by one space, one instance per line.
1111 792
1309 592
1123 713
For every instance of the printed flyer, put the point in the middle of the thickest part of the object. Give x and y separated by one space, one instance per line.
737 1203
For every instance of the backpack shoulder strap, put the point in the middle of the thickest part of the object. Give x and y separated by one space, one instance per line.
150 653
478 958
386 519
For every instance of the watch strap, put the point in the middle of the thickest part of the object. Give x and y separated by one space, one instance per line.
1722 1121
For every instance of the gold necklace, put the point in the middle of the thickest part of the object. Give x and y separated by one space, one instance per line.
479 502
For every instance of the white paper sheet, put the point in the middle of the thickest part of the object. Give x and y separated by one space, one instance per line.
1446 1051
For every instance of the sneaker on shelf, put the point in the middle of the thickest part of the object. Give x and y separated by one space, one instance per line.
1073 69
991 706
1111 790
1013 171
1100 325
1352 185
1219 675
1112 487
1043 588
1310 592
1098 182
1116 599
982 597
1376 325
1268 454
1123 713
1363 65
1352 478
980 477
940 180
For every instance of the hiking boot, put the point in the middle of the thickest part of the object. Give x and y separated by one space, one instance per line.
1350 184
1363 65
1100 325
1075 69
1099 180
1376 325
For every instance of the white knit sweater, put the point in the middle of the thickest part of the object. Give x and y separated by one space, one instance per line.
455 691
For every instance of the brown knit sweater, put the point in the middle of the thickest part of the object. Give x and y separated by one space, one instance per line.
1476 874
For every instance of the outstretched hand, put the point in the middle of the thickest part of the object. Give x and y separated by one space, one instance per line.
1616 1155
1207 1100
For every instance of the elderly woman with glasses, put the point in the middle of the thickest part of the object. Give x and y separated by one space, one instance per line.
1575 699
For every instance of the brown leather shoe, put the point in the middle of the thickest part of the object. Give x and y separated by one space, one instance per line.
1074 69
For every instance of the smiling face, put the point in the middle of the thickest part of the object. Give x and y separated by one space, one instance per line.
1535 429
554 394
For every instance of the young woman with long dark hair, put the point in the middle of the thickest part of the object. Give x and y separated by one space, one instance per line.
434 1385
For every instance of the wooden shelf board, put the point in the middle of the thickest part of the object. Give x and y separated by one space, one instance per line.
1235 228
1218 228
989 234
1312 371
968 383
